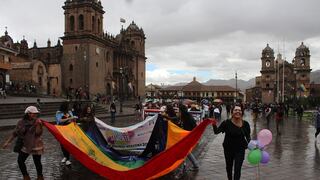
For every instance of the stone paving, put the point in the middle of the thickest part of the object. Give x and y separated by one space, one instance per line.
293 155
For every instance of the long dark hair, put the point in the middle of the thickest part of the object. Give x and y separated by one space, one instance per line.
85 113
170 111
64 107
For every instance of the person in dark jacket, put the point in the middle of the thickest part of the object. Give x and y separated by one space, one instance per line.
87 118
113 111
188 123
237 137
317 123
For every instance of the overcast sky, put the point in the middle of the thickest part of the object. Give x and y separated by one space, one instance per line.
209 39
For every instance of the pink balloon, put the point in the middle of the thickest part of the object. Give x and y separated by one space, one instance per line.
265 137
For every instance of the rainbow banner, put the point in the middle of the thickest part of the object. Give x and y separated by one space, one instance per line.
128 140
166 149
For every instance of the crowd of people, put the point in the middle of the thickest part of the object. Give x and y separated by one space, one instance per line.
237 131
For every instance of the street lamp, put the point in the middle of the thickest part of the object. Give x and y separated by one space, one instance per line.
121 88
236 87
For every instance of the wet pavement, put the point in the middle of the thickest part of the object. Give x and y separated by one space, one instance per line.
293 155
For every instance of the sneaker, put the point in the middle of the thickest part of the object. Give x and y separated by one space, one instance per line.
64 160
68 162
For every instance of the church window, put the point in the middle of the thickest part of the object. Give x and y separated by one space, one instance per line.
40 70
70 67
70 81
107 56
99 25
93 23
97 64
76 48
72 23
40 80
48 56
81 22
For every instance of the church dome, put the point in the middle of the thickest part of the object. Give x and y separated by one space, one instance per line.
302 50
133 27
6 40
267 49
267 52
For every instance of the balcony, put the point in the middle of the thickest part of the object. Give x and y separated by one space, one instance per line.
6 66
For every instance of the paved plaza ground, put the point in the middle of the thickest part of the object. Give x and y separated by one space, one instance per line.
294 155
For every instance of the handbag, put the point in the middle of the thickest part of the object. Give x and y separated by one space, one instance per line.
18 145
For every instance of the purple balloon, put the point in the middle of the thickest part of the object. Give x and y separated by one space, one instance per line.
265 136
260 145
265 157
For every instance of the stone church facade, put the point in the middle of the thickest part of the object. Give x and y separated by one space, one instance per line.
89 58
281 80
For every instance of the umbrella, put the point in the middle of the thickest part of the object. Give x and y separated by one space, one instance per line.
217 101
204 101
188 101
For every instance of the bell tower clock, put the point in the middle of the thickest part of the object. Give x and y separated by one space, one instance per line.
267 74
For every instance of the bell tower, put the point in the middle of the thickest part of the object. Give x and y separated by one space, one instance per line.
268 74
302 69
83 17
84 49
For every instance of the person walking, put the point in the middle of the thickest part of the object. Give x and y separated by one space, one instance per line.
63 117
317 123
113 111
188 123
29 131
279 117
268 111
299 112
237 135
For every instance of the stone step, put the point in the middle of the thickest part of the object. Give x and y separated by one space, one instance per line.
11 111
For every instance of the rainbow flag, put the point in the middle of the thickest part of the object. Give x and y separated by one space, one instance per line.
165 150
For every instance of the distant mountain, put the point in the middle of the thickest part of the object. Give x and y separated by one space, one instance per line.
315 76
242 84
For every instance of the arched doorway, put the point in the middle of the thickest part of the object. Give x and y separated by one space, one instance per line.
108 89
2 80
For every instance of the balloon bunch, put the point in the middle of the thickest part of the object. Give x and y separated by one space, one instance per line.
257 148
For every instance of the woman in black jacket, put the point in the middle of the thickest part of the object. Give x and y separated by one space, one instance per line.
237 136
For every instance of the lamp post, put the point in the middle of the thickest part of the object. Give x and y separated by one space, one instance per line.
121 88
85 70
236 87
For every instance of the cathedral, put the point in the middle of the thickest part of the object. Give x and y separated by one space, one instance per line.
280 80
88 58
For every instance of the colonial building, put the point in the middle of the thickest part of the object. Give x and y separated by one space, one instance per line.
197 91
89 58
281 80
6 51
97 61
153 91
